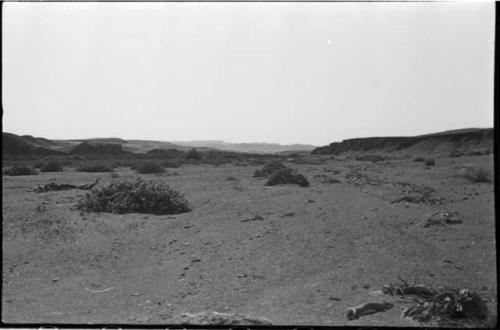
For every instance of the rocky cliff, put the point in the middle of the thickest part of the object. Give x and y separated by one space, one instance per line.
450 141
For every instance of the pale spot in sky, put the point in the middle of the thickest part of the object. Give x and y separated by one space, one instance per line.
329 41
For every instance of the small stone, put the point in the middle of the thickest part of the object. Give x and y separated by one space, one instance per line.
334 299
447 261
135 294
242 275
55 279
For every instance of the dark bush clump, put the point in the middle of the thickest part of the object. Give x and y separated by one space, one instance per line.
135 197
19 170
52 166
419 159
287 176
172 163
430 162
193 154
477 174
150 167
269 169
94 168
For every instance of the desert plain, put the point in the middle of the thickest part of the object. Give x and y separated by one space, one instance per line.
290 254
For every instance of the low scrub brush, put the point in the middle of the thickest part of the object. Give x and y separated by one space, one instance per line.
135 197
94 168
19 170
52 166
287 176
150 168
269 169
477 174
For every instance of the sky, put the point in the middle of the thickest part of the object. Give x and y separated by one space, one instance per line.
311 73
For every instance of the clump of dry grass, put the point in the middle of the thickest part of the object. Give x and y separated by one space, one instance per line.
150 168
477 174
52 166
135 197
19 170
94 168
269 169
287 176
194 154
430 162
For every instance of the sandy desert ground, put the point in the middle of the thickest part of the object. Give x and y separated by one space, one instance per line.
317 251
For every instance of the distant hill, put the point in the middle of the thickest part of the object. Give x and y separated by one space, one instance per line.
26 145
246 147
92 148
448 141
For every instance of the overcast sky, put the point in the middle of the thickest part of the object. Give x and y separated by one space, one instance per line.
246 72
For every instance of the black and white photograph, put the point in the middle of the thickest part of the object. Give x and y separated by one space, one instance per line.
243 164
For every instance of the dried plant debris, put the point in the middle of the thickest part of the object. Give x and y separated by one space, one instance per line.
216 318
404 288
442 218
256 217
326 179
356 177
64 186
372 158
366 309
419 199
446 306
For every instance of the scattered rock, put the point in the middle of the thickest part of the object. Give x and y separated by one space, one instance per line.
216 318
366 309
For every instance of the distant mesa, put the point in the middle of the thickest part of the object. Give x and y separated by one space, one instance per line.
88 148
446 142
260 148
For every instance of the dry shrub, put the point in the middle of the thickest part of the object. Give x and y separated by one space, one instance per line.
135 197
419 159
269 169
193 154
19 170
150 167
477 174
287 176
52 166
430 162
172 163
94 168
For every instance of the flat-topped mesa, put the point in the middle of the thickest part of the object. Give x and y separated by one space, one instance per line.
86 148
449 141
